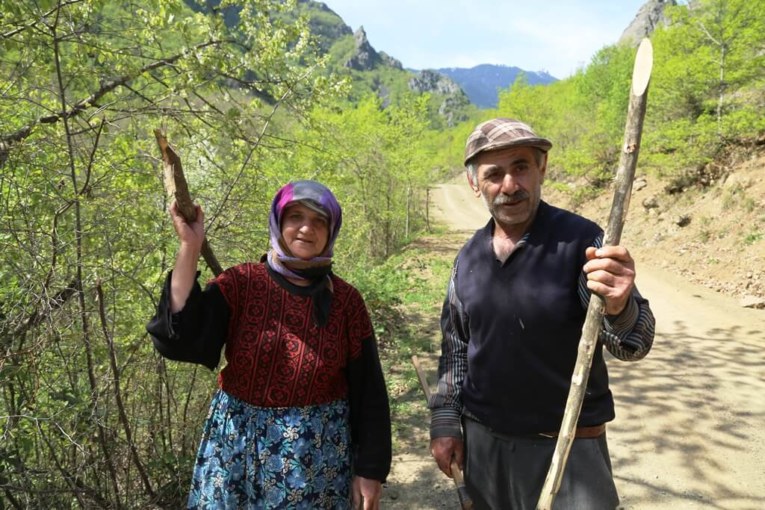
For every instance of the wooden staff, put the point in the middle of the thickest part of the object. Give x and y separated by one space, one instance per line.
641 75
177 188
459 482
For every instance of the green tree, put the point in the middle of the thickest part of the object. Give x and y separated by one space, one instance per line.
582 115
707 89
89 416
378 162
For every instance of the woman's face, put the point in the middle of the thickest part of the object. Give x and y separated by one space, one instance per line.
305 231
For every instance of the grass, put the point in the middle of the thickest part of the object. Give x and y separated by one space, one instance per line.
753 238
404 296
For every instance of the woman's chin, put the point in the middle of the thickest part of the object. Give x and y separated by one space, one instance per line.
305 254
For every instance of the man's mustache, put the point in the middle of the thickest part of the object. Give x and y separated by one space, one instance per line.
503 199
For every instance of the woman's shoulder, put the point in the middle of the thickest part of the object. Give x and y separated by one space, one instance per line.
339 282
351 304
340 287
242 272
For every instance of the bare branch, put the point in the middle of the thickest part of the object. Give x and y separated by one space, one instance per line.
118 393
34 23
7 141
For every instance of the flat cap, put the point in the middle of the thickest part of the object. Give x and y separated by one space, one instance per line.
500 133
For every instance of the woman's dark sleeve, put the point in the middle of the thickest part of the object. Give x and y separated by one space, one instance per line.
195 334
370 414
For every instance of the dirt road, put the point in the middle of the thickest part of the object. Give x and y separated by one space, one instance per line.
690 425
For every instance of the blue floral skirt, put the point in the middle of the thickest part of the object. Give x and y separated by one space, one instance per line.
258 457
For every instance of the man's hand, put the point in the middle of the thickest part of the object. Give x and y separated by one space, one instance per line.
367 491
443 449
611 274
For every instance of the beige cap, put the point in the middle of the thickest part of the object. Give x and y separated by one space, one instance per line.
500 133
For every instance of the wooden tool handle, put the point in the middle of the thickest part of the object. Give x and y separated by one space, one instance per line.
177 189
459 481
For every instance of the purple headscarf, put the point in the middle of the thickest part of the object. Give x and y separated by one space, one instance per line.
319 198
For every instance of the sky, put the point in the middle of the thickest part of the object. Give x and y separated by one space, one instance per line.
557 36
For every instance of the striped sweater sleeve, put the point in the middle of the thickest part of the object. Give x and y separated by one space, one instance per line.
446 403
629 335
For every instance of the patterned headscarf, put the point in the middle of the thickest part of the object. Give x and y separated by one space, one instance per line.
319 198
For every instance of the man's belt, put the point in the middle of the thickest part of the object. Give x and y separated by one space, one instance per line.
581 432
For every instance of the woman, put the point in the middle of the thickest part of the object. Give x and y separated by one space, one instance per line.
301 418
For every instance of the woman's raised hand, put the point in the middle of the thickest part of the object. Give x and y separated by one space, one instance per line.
192 233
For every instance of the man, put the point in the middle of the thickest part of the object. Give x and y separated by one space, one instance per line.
511 324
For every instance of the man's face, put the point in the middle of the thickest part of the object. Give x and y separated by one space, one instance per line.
510 183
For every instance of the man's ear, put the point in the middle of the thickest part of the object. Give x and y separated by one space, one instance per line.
473 185
543 169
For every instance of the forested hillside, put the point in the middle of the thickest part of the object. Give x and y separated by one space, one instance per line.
90 415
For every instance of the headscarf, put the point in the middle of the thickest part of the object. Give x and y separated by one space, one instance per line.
319 198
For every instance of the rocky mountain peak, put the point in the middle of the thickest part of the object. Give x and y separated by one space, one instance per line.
390 61
433 81
455 98
365 57
650 16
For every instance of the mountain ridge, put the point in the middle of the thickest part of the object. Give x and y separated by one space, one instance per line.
455 91
483 82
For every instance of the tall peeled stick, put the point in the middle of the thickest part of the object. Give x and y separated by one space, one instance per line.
641 75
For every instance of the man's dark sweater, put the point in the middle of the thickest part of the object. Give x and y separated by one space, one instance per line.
524 319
